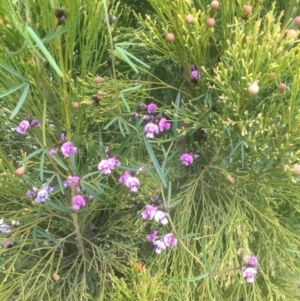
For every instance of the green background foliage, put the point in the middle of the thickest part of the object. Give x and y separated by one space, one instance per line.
46 67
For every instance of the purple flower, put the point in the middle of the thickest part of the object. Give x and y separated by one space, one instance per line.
32 193
23 126
249 274
164 125
170 240
125 176
106 166
159 246
136 115
52 152
251 260
151 129
146 117
195 75
67 148
4 228
78 202
62 137
187 159
151 108
34 123
72 181
161 216
132 183
149 212
42 196
152 237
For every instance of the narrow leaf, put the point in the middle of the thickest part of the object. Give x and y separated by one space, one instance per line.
20 103
12 90
196 278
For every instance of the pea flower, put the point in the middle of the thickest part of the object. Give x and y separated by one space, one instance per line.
159 246
23 126
132 183
151 129
108 164
170 240
161 217
251 261
40 195
72 181
4 228
151 108
67 148
249 274
52 152
152 237
78 202
164 125
149 212
187 159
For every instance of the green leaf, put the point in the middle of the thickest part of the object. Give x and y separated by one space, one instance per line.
58 33
44 50
216 258
155 162
41 169
31 155
59 207
124 101
12 90
12 71
196 278
21 101
42 234
126 59
60 162
175 121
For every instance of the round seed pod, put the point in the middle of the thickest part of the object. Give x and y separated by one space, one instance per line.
291 34
75 105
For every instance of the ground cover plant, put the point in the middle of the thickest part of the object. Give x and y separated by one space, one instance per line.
149 152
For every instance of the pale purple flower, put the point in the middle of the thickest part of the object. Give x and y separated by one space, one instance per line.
252 260
125 176
78 202
151 129
159 246
132 183
151 108
170 240
42 195
23 127
52 152
164 125
32 193
136 115
161 217
249 274
72 181
62 137
67 148
146 117
106 166
187 159
152 237
4 228
35 123
149 212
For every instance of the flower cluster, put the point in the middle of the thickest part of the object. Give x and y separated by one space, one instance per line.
108 164
250 268
155 124
66 147
153 212
162 243
188 159
26 125
40 195
130 181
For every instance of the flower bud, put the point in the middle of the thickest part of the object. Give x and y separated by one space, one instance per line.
247 9
170 37
253 88
56 277
291 34
215 4
20 171
210 22
189 19
282 87
75 105
98 80
296 169
297 20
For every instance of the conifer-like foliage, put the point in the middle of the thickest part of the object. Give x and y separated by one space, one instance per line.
149 152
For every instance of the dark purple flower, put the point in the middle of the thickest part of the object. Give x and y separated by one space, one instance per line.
34 123
23 127
152 237
187 159
149 212
78 202
151 108
67 148
170 240
151 129
72 181
164 125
